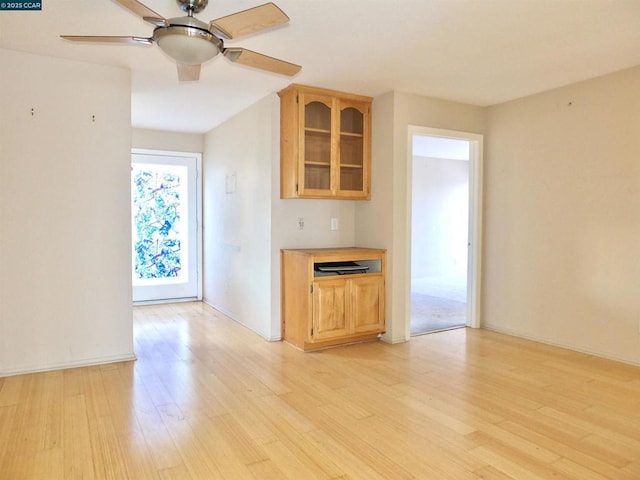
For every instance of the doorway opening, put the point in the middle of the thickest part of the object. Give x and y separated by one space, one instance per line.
165 224
444 229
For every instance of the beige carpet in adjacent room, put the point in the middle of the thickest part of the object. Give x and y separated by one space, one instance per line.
430 314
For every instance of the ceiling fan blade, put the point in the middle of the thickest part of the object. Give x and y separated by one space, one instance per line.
139 9
249 21
112 39
263 62
157 21
188 73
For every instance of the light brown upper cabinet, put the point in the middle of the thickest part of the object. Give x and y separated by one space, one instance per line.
325 144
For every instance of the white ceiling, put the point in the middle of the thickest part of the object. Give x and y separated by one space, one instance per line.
480 52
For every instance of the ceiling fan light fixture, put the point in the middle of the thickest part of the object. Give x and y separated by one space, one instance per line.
187 45
191 42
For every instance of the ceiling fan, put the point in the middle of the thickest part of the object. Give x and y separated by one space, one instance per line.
191 42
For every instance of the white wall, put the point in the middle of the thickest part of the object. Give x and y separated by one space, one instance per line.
439 224
237 224
562 198
65 291
169 141
245 230
384 221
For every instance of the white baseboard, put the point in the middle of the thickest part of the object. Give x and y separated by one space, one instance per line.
387 339
64 365
235 319
568 346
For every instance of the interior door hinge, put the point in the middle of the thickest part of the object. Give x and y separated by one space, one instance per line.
296 188
311 288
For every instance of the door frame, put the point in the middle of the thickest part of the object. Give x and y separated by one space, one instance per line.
198 158
474 259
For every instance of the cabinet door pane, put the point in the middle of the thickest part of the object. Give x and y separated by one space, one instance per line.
317 146
351 149
368 304
329 309
351 121
317 116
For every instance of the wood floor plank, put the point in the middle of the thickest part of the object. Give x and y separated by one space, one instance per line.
209 399
106 451
137 458
219 451
10 393
177 472
491 473
495 435
573 471
7 414
95 396
633 469
192 451
78 455
315 454
518 468
346 462
266 469
414 451
577 452
292 464
72 382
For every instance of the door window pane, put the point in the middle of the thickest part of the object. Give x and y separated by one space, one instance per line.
159 214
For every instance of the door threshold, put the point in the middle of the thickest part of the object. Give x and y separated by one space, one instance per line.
446 329
166 300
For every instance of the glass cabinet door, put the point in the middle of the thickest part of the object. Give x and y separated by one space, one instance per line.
317 145
351 163
325 144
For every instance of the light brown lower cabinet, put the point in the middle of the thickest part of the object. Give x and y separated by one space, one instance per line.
332 296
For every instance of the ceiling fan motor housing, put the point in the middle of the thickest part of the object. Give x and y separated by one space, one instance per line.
192 6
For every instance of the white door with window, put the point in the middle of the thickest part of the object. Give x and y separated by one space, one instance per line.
165 210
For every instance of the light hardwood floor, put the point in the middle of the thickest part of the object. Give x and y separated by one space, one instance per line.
208 399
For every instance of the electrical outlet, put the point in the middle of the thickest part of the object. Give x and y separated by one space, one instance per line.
334 224
300 223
